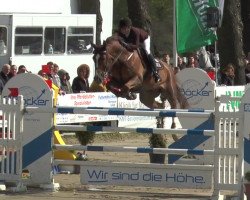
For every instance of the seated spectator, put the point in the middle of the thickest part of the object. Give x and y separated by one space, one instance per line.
97 85
13 71
54 74
166 58
50 65
192 63
4 76
65 84
227 75
80 83
43 74
180 63
21 69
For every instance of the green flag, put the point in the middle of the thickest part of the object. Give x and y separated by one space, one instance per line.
191 30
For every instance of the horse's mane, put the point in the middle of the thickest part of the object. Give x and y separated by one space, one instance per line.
115 42
114 38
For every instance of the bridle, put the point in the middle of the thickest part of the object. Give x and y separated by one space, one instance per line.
108 65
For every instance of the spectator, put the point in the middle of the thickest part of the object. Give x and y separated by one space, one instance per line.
97 85
247 72
227 75
54 74
180 63
80 83
4 76
43 74
51 69
13 71
192 62
166 58
21 69
65 84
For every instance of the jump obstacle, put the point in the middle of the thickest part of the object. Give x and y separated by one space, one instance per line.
224 174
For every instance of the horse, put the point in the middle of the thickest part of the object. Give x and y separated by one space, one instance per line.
126 73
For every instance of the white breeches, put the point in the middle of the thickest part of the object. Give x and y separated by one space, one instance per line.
146 44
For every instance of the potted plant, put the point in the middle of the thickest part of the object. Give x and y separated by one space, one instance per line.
157 141
84 137
247 184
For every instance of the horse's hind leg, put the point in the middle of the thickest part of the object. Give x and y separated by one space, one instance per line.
171 94
172 99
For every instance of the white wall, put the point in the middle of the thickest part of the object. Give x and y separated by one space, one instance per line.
35 6
31 6
59 6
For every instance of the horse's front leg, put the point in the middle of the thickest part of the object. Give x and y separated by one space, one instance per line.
133 83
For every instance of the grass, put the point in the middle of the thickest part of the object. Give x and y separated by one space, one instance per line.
107 137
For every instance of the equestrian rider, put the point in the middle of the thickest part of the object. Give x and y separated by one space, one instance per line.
134 37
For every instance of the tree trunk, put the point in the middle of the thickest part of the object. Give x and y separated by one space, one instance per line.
245 13
230 43
138 13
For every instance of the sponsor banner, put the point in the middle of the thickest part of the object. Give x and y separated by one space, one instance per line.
134 121
103 99
97 99
146 176
232 91
200 91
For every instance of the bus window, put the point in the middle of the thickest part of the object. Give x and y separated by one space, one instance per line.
3 41
28 40
79 39
54 40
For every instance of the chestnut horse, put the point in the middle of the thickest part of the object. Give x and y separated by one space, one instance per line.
126 73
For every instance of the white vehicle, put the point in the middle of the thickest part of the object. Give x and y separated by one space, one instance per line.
35 39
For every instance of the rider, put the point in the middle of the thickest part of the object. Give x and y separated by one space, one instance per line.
133 38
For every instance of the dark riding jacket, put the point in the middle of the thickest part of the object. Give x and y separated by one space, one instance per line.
135 38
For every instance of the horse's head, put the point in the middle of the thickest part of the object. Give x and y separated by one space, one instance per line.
100 58
107 54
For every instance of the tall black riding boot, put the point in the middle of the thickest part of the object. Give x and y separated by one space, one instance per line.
153 67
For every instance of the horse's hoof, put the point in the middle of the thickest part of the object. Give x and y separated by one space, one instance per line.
173 126
131 96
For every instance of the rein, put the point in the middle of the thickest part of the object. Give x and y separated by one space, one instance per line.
110 61
115 59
